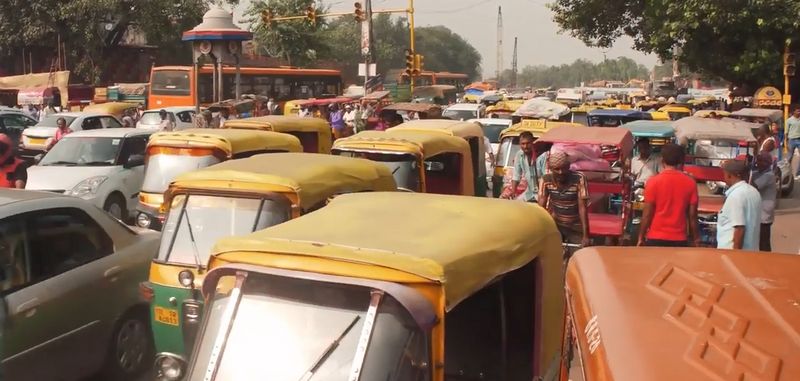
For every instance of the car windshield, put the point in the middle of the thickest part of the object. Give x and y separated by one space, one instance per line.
150 118
460 114
306 330
84 151
52 121
404 167
195 222
163 168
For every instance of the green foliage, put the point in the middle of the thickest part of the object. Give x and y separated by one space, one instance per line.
737 40
80 25
442 49
621 69
296 41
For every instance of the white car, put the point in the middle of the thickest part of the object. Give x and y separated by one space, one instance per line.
105 167
464 111
70 290
182 116
35 139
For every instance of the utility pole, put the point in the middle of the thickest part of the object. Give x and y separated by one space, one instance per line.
499 69
789 70
411 37
514 66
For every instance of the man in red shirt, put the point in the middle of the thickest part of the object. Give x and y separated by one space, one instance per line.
670 204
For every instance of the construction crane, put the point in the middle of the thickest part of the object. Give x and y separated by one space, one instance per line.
499 69
514 66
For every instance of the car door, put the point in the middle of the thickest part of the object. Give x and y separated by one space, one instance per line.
132 178
59 318
185 120
109 122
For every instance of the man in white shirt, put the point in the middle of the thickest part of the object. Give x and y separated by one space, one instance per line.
349 117
166 124
646 164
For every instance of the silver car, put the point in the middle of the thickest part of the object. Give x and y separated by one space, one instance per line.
69 277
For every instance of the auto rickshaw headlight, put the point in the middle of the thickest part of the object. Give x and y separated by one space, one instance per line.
169 368
186 278
143 221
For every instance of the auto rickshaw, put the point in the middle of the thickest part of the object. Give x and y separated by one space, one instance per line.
423 110
235 198
708 142
710 113
676 111
761 116
610 187
421 162
469 131
170 154
116 109
580 113
315 134
615 117
504 109
509 146
702 314
415 287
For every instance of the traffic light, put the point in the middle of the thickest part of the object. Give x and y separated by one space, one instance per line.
266 17
789 64
311 15
359 12
418 63
409 62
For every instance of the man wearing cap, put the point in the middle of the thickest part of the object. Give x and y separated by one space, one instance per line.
564 194
739 221
763 178
349 119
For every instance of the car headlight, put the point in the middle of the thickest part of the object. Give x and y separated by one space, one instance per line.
169 368
88 187
143 221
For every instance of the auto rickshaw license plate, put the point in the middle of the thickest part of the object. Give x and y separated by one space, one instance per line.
166 316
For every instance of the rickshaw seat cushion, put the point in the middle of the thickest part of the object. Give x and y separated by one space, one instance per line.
597 187
710 204
606 225
703 173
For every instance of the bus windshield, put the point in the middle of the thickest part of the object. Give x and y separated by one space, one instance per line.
170 82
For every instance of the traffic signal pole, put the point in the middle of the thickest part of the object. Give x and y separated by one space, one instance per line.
411 39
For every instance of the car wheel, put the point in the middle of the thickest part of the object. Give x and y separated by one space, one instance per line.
115 206
131 350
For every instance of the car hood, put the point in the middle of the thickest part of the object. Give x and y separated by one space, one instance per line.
57 177
43 132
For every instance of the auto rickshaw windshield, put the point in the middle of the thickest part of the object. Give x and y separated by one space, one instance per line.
404 167
164 167
195 222
507 151
291 329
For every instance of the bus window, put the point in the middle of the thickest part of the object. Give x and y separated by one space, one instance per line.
170 82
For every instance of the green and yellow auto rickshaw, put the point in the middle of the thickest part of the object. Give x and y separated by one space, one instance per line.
236 197
387 286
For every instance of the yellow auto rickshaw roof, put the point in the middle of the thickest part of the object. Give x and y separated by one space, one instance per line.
312 177
279 123
113 108
443 126
674 108
707 113
231 141
703 314
445 239
535 126
659 115
505 106
414 142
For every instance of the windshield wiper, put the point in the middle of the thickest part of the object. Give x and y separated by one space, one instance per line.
196 252
328 351
61 162
96 163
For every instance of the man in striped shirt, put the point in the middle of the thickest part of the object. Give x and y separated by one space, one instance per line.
563 193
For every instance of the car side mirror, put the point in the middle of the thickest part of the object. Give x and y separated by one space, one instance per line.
38 158
134 161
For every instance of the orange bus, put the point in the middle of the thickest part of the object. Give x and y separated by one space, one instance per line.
175 85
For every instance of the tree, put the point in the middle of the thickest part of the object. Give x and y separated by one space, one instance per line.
296 41
621 69
89 28
447 51
737 40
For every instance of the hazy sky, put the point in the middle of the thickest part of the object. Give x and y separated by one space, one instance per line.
476 20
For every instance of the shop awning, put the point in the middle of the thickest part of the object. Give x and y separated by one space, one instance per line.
36 95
